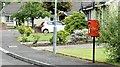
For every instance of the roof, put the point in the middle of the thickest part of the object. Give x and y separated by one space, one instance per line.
76 6
11 8
102 4
90 5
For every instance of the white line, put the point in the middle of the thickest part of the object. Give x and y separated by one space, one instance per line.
30 59
5 51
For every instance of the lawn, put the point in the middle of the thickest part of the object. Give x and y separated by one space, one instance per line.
85 53
43 37
11 27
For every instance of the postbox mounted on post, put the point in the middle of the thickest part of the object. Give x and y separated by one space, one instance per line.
94 28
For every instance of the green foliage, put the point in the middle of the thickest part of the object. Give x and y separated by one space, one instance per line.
28 31
35 10
31 10
109 30
75 22
24 30
30 38
2 23
61 6
61 37
36 37
23 38
21 29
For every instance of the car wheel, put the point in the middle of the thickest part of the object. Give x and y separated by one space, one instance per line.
45 31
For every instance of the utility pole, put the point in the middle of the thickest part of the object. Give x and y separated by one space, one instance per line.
55 30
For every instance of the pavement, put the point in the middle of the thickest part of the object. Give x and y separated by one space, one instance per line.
13 48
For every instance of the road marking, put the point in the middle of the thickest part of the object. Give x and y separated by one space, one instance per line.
5 51
12 46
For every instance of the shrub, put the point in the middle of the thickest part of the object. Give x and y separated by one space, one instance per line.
109 31
2 23
21 29
61 37
28 31
24 30
30 38
23 38
75 22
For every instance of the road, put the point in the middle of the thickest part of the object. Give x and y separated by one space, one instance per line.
8 60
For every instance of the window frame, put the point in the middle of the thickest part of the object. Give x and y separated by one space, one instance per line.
9 19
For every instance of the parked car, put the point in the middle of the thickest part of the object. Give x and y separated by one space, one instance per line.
48 26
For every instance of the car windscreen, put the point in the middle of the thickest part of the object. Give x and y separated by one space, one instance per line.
50 23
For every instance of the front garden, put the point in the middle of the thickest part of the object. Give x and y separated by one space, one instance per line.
108 35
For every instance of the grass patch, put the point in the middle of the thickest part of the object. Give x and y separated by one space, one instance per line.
45 37
85 53
10 27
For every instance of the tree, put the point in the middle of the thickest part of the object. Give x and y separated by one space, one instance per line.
61 6
32 10
75 21
20 16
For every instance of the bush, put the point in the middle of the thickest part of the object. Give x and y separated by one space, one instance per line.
24 30
109 31
75 22
30 38
28 31
23 38
61 37
2 23
21 29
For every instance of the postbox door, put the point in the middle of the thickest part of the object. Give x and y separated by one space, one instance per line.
93 26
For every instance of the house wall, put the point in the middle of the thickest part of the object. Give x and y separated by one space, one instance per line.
3 19
36 21
114 4
93 14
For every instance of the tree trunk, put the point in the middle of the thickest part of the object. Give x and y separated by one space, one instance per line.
23 20
32 20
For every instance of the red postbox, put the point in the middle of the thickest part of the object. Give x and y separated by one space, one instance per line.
93 28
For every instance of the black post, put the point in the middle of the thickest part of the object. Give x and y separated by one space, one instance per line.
93 49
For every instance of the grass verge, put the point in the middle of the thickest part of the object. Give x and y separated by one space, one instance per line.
86 53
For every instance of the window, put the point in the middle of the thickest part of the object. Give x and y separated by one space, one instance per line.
9 19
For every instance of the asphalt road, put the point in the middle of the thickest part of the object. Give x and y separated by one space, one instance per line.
8 60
